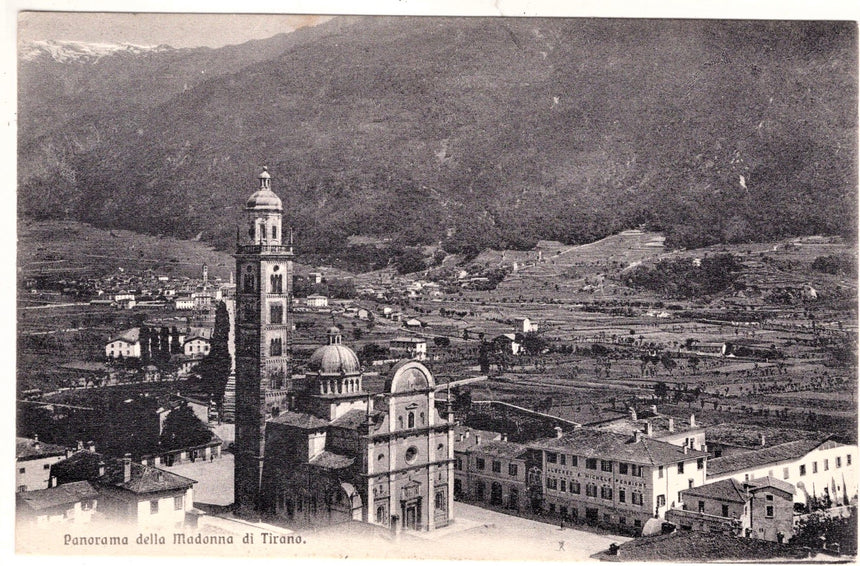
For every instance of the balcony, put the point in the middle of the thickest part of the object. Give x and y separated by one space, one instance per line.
255 249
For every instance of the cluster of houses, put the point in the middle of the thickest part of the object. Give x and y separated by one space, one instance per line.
635 474
56 484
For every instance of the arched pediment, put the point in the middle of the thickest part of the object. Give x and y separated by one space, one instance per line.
409 375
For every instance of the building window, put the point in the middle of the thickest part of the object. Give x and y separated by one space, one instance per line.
458 464
785 473
178 503
815 467
838 461
574 461
701 506
827 464
607 518
622 520
575 487
551 483
497 467
410 419
848 459
768 511
551 458
605 466
561 460
591 490
479 463
276 314
661 500
725 510
552 507
479 490
153 507
636 498
622 468
563 486
276 347
605 492
22 470
660 472
680 467
512 469
441 504
622 496
46 467
410 455
274 232
591 463
380 514
636 470
803 469
700 464
563 510
276 283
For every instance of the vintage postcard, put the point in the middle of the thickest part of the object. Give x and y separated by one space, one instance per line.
436 287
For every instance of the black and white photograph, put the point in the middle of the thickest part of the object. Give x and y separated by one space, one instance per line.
444 287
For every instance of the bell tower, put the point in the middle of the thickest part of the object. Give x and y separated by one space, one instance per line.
264 272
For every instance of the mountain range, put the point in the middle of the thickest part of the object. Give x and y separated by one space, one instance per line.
465 132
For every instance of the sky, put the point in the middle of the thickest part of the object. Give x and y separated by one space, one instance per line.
176 30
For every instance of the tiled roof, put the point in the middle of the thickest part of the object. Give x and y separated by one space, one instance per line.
85 465
749 436
300 420
589 443
131 336
695 546
499 448
356 418
66 494
30 449
462 442
724 490
331 461
770 481
758 458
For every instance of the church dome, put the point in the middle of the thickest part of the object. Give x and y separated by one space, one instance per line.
265 198
334 359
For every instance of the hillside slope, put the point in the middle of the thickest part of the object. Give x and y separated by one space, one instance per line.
486 132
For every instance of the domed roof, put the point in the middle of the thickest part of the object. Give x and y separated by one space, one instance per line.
334 359
265 198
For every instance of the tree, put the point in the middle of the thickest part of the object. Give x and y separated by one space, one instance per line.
661 390
442 341
175 346
819 528
215 368
182 429
144 346
533 344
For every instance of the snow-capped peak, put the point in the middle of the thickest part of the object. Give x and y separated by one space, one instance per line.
67 51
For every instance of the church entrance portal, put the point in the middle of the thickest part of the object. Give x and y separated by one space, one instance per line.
412 514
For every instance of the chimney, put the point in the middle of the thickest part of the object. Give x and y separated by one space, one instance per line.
91 446
637 436
477 439
654 410
692 419
632 414
80 445
101 469
52 481
558 432
671 424
763 440
467 433
126 468
504 438
649 428
686 448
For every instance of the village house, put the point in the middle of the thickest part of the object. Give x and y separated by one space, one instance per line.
74 502
615 479
129 492
525 325
820 470
408 347
33 460
762 508
126 345
316 301
493 471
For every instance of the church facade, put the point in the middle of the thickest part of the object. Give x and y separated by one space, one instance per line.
333 451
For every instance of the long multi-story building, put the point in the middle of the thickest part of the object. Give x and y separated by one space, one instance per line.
614 479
